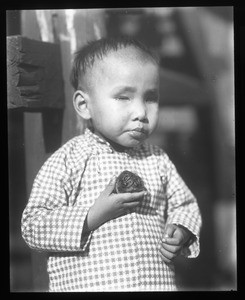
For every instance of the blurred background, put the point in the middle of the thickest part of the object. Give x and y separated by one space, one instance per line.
196 124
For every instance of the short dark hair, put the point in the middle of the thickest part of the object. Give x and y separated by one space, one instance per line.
84 58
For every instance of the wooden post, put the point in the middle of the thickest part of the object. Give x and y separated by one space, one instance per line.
35 88
39 87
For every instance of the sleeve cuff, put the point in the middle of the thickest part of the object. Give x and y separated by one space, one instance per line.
85 240
85 237
192 250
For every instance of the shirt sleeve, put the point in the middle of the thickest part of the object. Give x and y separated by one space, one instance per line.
51 221
182 207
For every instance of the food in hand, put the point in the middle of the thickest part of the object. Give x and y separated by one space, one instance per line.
128 182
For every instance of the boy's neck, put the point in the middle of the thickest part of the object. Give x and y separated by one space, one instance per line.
115 146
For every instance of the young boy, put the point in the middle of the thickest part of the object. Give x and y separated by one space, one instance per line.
96 239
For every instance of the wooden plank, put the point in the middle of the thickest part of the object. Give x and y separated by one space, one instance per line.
40 135
34 74
70 123
43 133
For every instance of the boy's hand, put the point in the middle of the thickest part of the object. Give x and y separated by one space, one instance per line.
172 242
109 206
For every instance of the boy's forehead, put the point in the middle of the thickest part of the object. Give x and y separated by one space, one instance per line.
128 56
127 53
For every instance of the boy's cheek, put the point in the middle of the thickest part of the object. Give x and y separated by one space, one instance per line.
153 118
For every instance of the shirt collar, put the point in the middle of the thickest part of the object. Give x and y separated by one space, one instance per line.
97 142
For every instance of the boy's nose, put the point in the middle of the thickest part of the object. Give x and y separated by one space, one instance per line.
139 111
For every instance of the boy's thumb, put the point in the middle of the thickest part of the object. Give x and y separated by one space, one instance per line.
170 229
111 185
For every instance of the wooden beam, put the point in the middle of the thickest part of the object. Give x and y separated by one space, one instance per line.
34 74
42 127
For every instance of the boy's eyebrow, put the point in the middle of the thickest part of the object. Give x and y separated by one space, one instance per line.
121 89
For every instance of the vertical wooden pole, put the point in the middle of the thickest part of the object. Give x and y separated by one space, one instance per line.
56 21
35 154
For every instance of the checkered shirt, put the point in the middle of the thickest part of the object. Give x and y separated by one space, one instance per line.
122 254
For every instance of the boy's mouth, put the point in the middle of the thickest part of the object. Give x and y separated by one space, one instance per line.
138 133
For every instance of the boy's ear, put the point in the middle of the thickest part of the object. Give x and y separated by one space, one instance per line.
80 102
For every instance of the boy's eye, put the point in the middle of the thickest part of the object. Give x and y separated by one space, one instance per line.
122 98
152 98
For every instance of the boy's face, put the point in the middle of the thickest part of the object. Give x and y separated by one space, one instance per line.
123 97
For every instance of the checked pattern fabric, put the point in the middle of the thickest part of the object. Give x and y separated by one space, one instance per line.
122 254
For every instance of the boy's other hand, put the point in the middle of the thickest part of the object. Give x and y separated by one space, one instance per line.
109 206
174 239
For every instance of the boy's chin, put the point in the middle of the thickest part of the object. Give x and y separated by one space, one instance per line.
131 144
134 144
122 145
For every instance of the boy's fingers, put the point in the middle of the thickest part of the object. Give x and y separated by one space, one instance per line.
130 197
170 248
168 255
169 231
171 241
129 205
110 187
166 260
